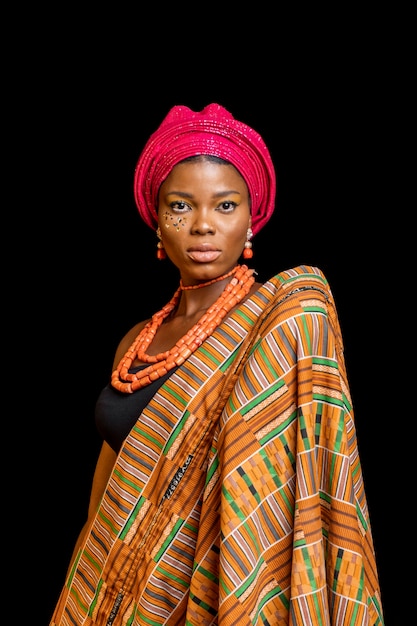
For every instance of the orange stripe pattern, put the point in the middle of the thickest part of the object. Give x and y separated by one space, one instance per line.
257 517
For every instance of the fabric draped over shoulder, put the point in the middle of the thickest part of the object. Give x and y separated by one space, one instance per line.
252 512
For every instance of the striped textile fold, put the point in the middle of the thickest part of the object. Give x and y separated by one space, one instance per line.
257 516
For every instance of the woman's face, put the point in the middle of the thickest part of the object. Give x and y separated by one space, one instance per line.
204 215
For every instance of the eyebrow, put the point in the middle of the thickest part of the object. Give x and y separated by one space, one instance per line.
219 194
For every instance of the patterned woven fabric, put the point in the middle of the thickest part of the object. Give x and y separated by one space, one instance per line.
239 501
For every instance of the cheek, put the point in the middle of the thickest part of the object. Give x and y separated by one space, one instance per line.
173 232
236 232
168 221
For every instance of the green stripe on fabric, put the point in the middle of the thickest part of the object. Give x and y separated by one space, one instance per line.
322 397
249 580
175 433
93 562
327 362
168 540
230 499
167 574
106 521
180 399
146 436
212 469
126 481
227 363
305 275
275 432
77 599
314 309
132 517
276 592
207 574
271 468
307 336
146 620
209 355
263 396
96 596
207 607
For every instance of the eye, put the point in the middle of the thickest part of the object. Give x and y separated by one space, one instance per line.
227 207
179 206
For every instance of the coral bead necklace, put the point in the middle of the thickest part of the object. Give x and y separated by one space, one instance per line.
161 363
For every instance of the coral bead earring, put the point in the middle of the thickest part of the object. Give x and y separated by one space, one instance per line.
160 253
248 252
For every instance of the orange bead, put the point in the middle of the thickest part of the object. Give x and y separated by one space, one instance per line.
161 363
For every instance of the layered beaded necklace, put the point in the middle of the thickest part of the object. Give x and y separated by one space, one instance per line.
161 363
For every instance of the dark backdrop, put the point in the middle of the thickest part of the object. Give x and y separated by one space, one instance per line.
91 271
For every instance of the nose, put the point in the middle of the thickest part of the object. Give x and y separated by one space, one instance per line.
203 222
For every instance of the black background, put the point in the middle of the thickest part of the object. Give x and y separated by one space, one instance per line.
90 270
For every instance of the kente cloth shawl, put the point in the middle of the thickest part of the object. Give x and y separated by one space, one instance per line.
238 496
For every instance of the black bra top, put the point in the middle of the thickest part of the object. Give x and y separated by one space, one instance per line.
116 412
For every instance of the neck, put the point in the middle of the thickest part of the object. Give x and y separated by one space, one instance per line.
233 293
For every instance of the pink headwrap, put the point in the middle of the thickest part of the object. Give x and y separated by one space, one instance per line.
214 131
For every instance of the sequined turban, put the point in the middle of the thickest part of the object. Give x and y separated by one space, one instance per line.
214 131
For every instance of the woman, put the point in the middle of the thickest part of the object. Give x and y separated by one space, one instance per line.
228 489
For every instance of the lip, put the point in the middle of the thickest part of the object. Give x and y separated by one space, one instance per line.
203 253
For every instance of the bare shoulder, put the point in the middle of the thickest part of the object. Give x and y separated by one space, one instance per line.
127 341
